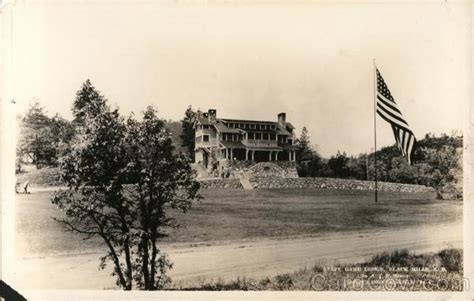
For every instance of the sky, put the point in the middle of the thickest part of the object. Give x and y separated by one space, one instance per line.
313 60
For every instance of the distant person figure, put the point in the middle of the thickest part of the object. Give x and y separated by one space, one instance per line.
17 184
25 187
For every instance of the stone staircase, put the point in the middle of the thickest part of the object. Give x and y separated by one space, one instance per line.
245 181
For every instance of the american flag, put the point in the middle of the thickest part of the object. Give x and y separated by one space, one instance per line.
387 109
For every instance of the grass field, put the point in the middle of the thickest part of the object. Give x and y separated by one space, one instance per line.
226 215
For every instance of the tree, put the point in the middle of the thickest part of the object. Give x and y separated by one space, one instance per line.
305 149
187 135
123 177
309 161
162 179
63 131
174 127
94 171
338 164
36 140
88 101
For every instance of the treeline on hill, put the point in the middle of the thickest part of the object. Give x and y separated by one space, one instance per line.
437 162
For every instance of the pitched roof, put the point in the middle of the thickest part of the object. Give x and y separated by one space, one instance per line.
221 126
224 129
202 120
247 121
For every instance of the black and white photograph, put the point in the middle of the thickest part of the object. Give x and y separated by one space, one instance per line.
183 146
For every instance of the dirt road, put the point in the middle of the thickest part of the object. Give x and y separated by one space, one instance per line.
261 258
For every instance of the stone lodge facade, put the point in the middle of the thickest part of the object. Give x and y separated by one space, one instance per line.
220 139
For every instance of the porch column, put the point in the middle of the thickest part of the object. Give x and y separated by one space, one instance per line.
270 156
253 155
232 154
246 154
226 153
276 156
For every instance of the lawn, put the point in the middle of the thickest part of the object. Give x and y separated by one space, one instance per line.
226 215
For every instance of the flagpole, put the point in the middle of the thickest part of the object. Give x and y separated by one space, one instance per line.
375 130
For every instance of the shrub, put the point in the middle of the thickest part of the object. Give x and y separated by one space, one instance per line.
452 259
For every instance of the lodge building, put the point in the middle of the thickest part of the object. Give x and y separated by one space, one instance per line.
237 139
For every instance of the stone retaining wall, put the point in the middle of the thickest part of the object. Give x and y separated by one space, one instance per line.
281 169
221 183
266 182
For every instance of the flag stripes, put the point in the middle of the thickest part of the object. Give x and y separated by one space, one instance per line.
388 109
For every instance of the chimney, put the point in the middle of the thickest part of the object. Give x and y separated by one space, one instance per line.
212 115
282 120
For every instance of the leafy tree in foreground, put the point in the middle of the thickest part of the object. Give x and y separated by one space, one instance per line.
163 180
123 178
187 135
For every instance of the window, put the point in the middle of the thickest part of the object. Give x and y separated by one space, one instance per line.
252 126
263 126
290 141
258 136
241 125
272 136
251 136
265 136
205 138
206 126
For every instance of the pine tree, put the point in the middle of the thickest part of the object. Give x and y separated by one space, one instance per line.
88 101
305 149
187 135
